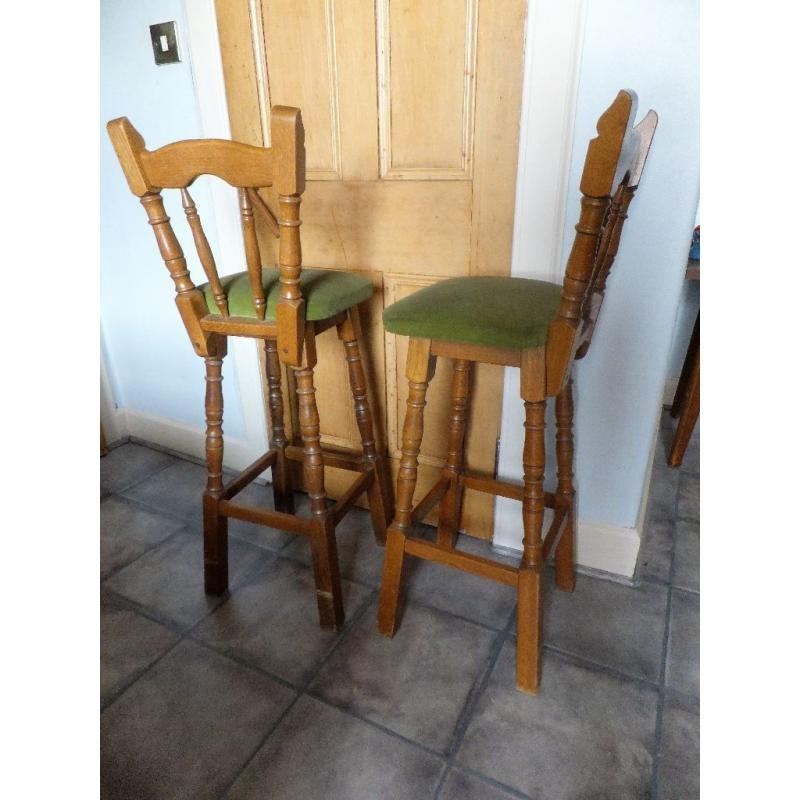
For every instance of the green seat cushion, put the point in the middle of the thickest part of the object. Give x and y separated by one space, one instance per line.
325 291
501 312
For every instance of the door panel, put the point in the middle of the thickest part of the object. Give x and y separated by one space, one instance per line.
426 79
411 112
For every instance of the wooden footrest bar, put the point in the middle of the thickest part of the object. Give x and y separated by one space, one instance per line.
483 567
471 480
341 459
356 489
249 474
436 493
272 519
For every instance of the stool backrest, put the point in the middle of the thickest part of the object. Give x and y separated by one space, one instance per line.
613 167
248 168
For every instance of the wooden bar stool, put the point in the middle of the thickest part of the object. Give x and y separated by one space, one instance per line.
286 307
541 328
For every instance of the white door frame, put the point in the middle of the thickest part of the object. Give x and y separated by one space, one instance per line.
202 39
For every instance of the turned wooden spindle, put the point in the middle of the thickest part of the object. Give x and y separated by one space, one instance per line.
582 257
409 459
379 498
529 586
450 510
565 492
291 306
204 253
252 254
323 542
168 245
214 423
607 252
358 387
281 475
313 467
533 491
420 367
215 526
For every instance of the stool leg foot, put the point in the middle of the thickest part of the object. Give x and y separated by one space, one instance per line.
529 630
419 371
215 526
326 575
390 584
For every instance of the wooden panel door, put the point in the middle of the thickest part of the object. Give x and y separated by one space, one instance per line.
411 112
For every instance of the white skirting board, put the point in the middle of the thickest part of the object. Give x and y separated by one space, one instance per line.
670 387
180 437
598 546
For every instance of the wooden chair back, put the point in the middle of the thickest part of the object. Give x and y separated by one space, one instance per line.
248 168
613 167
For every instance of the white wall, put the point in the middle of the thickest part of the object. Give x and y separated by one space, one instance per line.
651 48
152 368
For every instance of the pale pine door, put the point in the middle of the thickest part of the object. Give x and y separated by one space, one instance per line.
411 111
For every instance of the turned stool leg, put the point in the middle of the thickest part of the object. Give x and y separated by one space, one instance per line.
565 494
380 505
323 543
450 510
419 371
281 477
215 526
529 591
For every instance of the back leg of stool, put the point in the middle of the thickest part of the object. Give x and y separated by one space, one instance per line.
450 510
281 474
379 492
215 526
565 494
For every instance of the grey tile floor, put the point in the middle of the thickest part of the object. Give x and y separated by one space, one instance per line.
244 696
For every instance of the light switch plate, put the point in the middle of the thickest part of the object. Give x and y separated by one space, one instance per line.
165 43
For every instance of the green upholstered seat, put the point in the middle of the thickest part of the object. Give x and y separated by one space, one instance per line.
325 291
501 312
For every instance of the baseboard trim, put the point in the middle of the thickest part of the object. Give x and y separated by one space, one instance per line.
598 545
181 437
670 387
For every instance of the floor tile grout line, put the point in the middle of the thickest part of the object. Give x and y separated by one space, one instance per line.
598 666
493 782
126 684
185 519
147 613
150 548
281 717
475 693
135 483
301 689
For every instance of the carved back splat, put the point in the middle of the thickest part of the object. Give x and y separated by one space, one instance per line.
248 168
